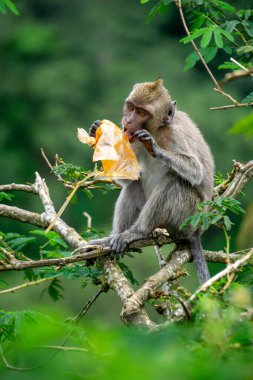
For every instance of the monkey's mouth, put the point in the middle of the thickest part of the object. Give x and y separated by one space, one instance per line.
129 134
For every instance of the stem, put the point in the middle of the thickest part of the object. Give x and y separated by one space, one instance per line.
227 247
179 6
68 199
84 310
26 285
232 106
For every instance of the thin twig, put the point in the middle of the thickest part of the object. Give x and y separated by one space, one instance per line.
179 6
63 348
26 285
14 368
232 106
90 302
217 85
231 268
249 71
89 219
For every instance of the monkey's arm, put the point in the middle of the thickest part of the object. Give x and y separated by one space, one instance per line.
186 165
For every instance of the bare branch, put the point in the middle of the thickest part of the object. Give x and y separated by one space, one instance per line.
231 268
18 187
231 106
170 271
238 74
26 285
64 348
239 176
243 174
22 215
84 310
118 282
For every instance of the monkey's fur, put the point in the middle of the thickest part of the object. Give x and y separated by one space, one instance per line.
177 171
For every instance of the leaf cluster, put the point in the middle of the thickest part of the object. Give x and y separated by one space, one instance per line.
216 26
8 5
214 213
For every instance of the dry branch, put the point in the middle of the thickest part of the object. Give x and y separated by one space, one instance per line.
231 268
133 312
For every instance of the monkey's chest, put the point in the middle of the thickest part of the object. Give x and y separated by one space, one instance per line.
152 172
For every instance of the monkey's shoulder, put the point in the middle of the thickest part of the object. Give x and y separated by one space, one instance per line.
183 130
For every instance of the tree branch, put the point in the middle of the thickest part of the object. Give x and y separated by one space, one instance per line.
118 282
18 187
231 268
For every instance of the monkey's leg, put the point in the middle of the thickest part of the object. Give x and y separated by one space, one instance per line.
127 209
155 213
128 206
171 201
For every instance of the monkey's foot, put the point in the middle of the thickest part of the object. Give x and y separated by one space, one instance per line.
117 245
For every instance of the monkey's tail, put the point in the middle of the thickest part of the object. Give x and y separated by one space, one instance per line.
199 259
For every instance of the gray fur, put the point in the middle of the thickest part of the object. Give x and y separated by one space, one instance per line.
176 174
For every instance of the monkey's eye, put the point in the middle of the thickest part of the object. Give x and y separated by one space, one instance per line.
142 112
130 106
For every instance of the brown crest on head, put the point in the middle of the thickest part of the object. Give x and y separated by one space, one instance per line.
149 92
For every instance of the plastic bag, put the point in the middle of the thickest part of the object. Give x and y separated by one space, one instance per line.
113 149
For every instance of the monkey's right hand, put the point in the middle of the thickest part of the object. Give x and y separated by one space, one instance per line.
94 127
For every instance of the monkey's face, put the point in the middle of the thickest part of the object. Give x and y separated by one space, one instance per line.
134 118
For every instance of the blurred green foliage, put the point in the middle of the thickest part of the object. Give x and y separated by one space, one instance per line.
65 64
218 346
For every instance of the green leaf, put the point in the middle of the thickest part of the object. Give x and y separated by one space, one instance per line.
230 25
218 38
2 7
216 218
227 222
198 22
205 221
6 196
11 6
232 204
244 126
227 35
227 49
88 193
3 283
156 9
191 61
54 289
228 66
196 219
225 6
19 243
248 99
144 1
209 53
128 273
197 33
245 49
206 38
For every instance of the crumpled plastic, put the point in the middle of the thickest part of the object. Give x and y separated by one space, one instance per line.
113 149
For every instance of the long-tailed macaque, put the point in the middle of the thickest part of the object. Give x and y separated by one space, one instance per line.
177 171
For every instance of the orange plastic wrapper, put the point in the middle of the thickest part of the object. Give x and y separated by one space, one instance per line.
113 149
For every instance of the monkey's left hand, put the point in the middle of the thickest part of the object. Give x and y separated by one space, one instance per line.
147 139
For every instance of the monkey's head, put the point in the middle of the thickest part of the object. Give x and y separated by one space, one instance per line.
148 106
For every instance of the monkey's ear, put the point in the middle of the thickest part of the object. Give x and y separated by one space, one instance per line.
171 112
